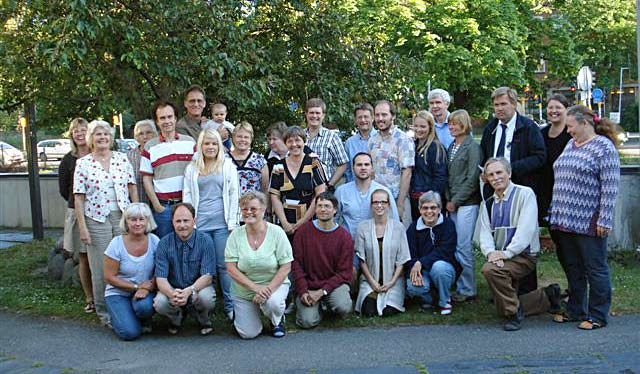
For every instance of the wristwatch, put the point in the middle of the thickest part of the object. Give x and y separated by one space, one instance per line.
324 292
135 285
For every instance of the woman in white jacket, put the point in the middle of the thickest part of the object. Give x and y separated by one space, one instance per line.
381 246
211 186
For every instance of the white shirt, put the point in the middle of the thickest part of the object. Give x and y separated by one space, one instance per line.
511 128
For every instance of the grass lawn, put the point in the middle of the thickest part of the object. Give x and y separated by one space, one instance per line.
25 291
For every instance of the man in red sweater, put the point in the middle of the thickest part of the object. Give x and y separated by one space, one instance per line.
323 258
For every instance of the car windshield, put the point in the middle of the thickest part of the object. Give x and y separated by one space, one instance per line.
6 146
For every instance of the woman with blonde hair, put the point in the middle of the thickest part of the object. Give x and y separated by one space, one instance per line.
463 196
430 172
253 173
211 186
71 238
103 187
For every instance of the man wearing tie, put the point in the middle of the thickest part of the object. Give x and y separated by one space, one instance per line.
519 140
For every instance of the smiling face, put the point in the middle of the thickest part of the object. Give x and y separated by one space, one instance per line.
421 128
503 108
556 112
183 223
315 116
295 145
325 211
364 120
380 204
429 211
241 140
101 139
210 148
456 128
384 118
497 176
145 133
438 107
166 120
79 135
252 211
194 103
136 225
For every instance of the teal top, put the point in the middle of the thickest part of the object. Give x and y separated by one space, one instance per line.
259 265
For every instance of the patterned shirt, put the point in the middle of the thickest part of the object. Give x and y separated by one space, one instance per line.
182 263
134 156
250 172
95 183
166 161
390 155
586 186
329 148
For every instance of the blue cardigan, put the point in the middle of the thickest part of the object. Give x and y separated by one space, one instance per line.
423 249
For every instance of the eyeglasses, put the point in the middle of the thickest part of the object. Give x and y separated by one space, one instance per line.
249 210
379 202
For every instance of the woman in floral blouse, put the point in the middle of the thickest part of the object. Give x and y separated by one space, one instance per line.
253 173
103 185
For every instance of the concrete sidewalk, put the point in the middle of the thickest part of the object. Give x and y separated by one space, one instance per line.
10 237
41 345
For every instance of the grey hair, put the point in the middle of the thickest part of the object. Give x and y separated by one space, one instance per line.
145 122
430 196
96 124
511 94
502 160
138 210
439 92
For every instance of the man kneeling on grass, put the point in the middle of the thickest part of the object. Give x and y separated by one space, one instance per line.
509 238
322 265
185 264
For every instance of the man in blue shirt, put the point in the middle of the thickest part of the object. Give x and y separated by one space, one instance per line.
439 101
359 142
185 265
354 198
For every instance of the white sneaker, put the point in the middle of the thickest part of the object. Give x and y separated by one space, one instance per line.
446 310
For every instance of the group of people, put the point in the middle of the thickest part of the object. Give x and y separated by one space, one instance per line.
157 229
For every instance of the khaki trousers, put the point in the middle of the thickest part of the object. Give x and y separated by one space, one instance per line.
338 302
503 283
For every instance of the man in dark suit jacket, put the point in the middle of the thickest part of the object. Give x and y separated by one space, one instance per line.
520 141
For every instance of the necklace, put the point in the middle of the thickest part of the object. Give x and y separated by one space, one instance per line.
256 238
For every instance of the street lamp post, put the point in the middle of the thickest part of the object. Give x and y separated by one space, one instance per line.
620 93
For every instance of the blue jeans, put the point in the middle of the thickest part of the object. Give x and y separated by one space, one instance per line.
465 220
441 276
219 237
128 315
164 222
585 261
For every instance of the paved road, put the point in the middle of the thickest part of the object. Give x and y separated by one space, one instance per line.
38 345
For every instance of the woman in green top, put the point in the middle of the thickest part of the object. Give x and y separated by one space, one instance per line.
258 257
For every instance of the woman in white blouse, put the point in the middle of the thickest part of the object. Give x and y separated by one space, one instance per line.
103 187
381 246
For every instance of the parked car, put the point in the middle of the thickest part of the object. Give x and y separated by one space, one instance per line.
10 155
53 149
125 145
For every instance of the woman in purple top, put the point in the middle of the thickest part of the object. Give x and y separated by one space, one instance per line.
587 174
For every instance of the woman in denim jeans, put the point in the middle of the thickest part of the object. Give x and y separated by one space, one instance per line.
128 270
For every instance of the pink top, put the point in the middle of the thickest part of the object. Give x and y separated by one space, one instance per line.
90 179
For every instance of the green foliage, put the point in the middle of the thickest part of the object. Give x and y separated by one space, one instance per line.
93 59
629 120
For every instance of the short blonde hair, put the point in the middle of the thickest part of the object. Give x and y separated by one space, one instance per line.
462 117
75 123
138 210
95 125
243 126
253 195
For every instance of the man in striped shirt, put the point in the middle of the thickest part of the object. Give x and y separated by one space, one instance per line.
162 165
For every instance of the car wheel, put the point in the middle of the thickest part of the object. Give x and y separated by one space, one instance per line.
43 157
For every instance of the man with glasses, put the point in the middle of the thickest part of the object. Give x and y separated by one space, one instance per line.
322 265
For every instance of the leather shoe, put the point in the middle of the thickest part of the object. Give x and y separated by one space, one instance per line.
514 324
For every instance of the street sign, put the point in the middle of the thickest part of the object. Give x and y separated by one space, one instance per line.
614 116
597 95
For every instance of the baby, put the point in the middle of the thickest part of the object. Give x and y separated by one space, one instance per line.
220 123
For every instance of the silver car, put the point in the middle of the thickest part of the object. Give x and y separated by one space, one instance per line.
10 155
53 149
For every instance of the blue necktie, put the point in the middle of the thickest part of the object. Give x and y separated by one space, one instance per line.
503 140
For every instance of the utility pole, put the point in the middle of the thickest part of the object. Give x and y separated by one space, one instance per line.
34 173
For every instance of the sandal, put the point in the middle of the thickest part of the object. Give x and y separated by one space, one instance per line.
206 329
590 324
90 307
563 318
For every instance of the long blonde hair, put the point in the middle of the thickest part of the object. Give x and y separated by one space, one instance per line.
216 166
432 137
